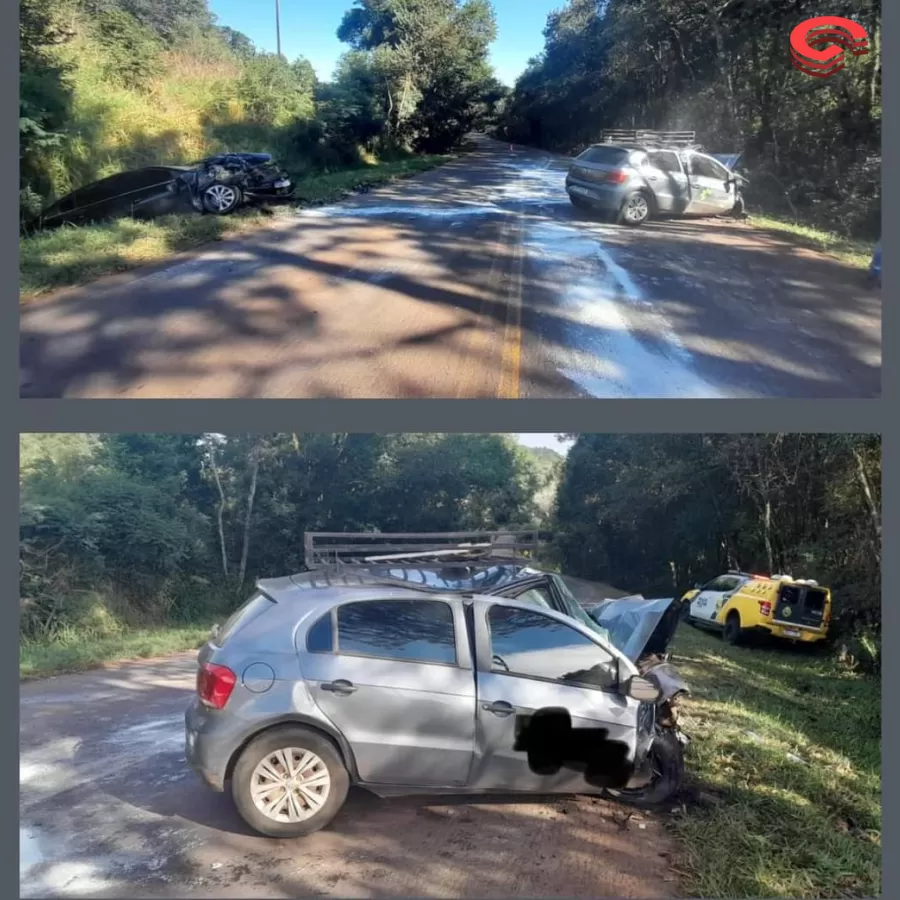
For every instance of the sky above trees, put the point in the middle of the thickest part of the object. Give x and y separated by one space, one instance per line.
310 29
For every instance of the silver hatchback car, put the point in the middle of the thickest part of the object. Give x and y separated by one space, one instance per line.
326 680
635 181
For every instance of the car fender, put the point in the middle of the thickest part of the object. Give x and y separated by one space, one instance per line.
669 681
315 724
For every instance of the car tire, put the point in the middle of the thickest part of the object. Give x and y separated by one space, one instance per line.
635 209
667 759
262 756
733 633
221 199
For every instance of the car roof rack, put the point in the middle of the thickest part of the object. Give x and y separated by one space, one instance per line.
325 549
645 137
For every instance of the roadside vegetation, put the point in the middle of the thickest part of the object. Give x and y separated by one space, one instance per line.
108 85
123 534
84 649
812 146
785 764
72 255
656 514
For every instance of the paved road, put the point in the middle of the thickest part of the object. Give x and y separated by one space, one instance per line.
474 280
109 809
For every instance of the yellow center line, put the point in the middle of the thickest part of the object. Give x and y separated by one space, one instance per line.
492 289
510 364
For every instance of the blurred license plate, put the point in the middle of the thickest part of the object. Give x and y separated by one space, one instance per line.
285 182
791 632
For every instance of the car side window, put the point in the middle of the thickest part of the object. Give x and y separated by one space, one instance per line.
533 645
407 630
665 161
320 638
704 167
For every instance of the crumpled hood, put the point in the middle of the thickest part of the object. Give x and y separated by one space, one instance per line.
637 626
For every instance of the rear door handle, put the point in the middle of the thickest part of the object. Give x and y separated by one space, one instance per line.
341 687
499 708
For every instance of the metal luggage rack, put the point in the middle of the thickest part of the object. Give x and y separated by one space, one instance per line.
680 140
338 549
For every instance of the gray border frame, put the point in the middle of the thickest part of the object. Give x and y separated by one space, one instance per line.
471 416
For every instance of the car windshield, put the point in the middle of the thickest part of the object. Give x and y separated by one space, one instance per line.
576 611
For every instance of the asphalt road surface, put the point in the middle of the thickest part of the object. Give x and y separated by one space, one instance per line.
477 279
108 808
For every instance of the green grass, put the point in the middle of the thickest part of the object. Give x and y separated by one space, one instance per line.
853 252
38 660
71 256
786 757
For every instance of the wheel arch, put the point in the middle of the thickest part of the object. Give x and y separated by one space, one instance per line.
332 735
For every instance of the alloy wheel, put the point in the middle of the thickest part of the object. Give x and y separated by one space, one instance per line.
290 785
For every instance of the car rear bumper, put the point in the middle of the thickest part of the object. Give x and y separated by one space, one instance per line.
209 743
805 635
607 197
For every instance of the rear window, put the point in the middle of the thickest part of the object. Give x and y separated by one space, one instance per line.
243 616
604 156
407 630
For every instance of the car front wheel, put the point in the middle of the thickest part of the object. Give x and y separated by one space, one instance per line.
667 768
289 782
221 199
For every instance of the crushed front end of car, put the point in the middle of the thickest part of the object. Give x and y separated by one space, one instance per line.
220 184
643 629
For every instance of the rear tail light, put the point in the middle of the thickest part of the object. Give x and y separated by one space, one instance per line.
765 608
215 684
617 177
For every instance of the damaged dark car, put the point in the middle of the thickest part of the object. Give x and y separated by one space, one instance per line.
218 185
432 672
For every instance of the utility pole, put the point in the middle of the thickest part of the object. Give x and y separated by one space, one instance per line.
278 24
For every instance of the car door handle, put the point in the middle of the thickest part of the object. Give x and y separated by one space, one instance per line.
499 708
341 687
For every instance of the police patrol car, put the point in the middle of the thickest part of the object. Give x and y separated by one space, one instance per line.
739 604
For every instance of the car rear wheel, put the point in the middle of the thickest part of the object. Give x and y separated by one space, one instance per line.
289 782
733 631
635 209
221 199
667 768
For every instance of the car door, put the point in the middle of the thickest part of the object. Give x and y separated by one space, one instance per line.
668 180
712 191
706 605
531 661
396 677
703 606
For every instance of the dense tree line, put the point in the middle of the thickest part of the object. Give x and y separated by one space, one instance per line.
659 513
160 526
721 68
107 84
152 527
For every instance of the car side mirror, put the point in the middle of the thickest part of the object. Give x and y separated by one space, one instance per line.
643 689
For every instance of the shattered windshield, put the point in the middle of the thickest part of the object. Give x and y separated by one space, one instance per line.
576 610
